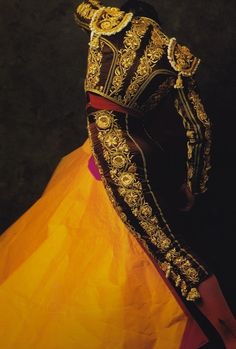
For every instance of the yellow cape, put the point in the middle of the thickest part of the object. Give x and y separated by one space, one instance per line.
73 277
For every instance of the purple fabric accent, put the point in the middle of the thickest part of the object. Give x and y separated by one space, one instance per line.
93 168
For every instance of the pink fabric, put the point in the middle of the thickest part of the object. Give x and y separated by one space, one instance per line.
194 337
93 168
100 102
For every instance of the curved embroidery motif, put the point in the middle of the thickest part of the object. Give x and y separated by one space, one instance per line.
109 20
152 54
127 55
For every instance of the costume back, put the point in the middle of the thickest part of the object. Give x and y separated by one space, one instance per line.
88 265
132 63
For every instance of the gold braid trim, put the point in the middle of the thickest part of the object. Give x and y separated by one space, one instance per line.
182 61
202 116
127 55
109 21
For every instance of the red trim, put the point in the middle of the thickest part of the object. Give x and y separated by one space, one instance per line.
100 102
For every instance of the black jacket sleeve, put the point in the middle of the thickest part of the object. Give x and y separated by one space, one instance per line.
198 134
195 120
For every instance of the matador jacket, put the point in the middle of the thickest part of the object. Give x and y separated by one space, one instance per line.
133 63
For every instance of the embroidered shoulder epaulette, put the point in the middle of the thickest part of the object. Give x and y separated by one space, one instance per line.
85 12
182 61
109 20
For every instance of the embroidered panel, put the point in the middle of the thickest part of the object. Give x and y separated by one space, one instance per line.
127 54
202 116
94 63
152 54
176 262
109 21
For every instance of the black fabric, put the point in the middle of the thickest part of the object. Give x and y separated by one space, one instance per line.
154 187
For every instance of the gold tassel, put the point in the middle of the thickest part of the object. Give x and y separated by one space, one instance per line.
179 81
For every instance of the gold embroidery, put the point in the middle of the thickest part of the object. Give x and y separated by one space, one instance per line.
103 121
191 144
191 294
124 174
152 54
182 61
94 63
183 264
198 106
194 136
127 55
123 59
109 21
86 11
95 3
202 116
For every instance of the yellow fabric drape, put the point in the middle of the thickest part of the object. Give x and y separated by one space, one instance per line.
73 277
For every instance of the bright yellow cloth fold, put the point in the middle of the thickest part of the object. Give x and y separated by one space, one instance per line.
73 277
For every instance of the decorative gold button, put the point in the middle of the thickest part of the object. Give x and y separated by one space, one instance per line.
103 121
126 179
118 161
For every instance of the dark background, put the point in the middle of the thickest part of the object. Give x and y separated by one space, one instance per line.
42 66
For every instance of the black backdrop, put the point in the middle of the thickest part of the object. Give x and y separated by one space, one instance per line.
42 66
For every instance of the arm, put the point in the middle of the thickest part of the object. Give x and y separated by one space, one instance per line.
195 120
198 133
